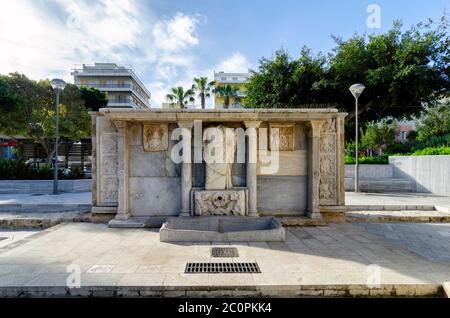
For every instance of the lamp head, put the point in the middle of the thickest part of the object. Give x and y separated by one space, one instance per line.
356 89
58 84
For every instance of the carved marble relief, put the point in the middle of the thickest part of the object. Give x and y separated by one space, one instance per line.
227 202
281 137
156 137
108 182
327 183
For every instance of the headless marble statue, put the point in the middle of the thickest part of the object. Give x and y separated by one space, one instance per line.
221 150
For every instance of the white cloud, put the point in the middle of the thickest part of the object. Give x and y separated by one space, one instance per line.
46 39
236 63
176 33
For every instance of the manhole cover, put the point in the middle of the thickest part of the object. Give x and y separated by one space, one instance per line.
224 252
222 268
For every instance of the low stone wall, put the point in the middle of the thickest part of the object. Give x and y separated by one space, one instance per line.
427 174
43 186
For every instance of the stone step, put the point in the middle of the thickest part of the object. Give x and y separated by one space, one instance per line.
299 221
416 216
379 185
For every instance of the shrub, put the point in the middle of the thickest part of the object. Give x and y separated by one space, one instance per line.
20 170
381 160
432 151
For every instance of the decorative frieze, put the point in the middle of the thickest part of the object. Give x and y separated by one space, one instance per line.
156 137
327 183
281 137
226 202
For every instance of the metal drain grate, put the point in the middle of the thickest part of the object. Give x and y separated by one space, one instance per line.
222 268
224 252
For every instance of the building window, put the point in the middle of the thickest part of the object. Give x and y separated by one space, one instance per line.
223 78
234 78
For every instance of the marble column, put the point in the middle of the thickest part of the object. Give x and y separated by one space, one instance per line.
123 170
186 168
314 127
252 157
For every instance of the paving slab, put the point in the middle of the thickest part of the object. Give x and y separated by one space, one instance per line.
335 260
398 201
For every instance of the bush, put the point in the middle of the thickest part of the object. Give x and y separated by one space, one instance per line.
20 170
432 151
381 160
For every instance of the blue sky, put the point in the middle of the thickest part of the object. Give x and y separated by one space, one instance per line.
170 41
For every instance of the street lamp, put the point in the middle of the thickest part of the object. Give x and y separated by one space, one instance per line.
356 90
58 86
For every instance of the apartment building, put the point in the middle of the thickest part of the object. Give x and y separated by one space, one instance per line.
238 80
120 83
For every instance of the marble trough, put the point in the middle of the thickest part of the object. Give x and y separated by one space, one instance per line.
222 229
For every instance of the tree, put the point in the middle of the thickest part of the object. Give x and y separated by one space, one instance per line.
93 98
33 114
377 135
180 97
401 71
434 121
227 93
204 88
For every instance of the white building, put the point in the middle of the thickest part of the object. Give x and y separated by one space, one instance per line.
121 84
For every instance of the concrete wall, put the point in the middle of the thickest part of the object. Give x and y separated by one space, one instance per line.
370 171
428 174
44 186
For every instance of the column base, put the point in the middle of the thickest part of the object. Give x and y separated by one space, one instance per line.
253 214
121 216
314 215
185 214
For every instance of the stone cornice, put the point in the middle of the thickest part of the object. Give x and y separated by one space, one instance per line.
222 115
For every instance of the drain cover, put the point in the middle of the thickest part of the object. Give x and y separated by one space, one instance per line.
222 268
224 252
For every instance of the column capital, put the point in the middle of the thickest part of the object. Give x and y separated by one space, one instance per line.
314 126
252 124
120 123
186 124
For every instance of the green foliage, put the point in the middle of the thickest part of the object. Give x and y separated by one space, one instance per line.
434 120
381 160
398 68
432 151
181 97
93 98
204 88
20 170
227 93
377 135
33 111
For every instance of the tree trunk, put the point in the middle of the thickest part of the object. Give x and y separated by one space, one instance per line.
361 110
202 100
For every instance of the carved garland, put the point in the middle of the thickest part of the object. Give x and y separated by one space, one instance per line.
327 183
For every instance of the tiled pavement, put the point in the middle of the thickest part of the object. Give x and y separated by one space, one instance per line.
312 257
430 240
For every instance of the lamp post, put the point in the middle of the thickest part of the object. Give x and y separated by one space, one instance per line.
356 90
58 86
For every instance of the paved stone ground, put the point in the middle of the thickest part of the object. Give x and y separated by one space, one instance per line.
362 198
330 260
62 198
431 240
12 237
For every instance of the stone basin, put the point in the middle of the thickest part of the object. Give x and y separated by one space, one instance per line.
222 229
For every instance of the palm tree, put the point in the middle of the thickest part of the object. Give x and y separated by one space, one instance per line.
227 93
203 87
180 97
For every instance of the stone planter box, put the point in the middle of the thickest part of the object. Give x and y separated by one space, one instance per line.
44 186
222 229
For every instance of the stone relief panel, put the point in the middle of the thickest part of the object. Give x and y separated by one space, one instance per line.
226 202
327 182
284 140
156 137
108 183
